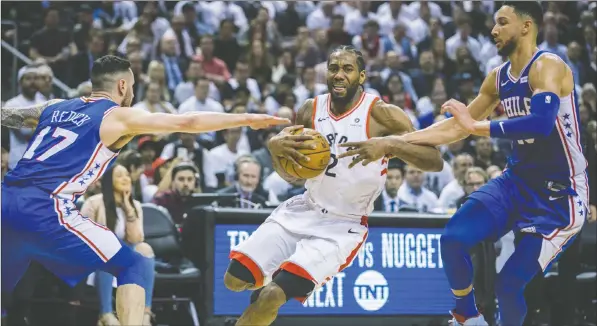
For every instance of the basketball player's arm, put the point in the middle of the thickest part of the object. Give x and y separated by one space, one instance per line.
126 121
303 118
449 130
27 117
395 122
546 76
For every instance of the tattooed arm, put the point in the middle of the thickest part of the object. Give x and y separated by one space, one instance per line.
26 117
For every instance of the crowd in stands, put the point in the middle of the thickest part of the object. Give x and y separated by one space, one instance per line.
269 57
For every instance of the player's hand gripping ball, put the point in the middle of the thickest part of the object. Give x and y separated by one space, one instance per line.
319 156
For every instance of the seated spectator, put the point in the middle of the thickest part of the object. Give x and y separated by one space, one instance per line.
263 155
116 209
474 178
186 89
308 88
412 194
388 200
220 159
336 34
285 66
453 190
134 163
247 183
186 148
173 63
215 69
201 101
176 187
44 83
154 102
486 155
493 172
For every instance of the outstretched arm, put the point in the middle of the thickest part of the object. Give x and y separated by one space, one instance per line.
449 131
26 117
549 78
427 158
125 121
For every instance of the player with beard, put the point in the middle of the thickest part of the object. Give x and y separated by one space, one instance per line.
75 141
313 236
543 193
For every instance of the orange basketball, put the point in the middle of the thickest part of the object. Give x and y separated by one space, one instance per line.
319 156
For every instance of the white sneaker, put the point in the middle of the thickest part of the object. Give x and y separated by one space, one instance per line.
458 320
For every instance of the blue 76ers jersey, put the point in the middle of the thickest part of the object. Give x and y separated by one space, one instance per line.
65 154
557 157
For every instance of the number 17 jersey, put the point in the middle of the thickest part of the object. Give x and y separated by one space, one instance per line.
65 154
340 190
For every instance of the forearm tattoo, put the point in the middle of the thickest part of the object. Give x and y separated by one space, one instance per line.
24 117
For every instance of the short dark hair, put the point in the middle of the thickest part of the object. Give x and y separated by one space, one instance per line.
532 9
199 79
105 66
353 50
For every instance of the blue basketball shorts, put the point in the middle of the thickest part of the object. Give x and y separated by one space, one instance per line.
554 211
50 230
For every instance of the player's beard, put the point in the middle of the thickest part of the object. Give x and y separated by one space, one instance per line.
351 90
508 47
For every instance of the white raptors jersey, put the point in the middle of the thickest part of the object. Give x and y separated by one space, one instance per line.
338 189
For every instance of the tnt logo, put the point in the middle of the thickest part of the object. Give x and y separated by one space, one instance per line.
371 290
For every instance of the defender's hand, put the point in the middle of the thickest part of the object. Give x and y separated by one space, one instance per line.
286 145
366 151
460 113
260 121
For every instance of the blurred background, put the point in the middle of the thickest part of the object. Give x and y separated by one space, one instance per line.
201 194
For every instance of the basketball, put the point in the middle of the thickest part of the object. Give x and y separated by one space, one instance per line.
319 156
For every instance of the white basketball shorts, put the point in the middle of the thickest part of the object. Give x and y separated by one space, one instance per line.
304 239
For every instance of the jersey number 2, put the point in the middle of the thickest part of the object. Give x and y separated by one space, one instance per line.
333 163
68 136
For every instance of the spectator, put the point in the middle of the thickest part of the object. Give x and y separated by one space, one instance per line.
296 188
550 34
215 69
289 20
246 183
423 78
220 159
44 83
356 19
285 66
83 61
201 101
116 209
308 88
260 64
82 29
392 13
178 184
336 34
156 73
184 46
19 138
241 79
174 64
136 164
226 46
321 18
486 155
186 89
454 190
154 102
388 201
53 44
463 38
370 43
494 171
474 178
262 155
394 66
413 195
